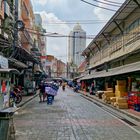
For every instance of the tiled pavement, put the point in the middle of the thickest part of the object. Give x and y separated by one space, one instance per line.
71 117
130 112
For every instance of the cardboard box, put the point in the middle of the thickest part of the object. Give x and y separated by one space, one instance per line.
121 100
121 82
122 106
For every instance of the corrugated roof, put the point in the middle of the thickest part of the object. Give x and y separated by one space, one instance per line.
133 67
17 63
127 7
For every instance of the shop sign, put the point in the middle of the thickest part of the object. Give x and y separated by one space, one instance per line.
4 96
43 57
3 62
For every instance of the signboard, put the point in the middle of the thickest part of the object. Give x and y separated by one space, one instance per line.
43 57
4 93
3 62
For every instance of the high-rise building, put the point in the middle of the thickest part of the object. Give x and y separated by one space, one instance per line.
76 44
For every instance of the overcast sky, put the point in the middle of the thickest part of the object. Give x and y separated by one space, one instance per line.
69 10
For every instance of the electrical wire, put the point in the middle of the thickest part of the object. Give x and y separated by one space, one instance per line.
78 21
99 6
110 4
109 9
113 2
58 35
75 22
107 3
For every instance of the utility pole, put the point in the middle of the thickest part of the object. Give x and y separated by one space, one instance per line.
15 25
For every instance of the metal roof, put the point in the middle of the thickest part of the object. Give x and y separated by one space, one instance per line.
133 67
9 70
86 77
127 7
17 63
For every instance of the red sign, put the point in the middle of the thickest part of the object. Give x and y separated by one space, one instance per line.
43 57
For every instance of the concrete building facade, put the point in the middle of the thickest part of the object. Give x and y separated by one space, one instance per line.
40 42
118 40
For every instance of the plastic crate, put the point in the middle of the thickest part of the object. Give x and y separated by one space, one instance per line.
134 97
130 102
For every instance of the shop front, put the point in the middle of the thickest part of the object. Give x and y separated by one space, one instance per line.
7 80
121 85
8 77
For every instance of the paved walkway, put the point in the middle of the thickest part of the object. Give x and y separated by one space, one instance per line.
71 117
132 113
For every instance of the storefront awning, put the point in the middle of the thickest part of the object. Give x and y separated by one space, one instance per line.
86 77
9 71
78 77
17 63
26 55
121 70
134 67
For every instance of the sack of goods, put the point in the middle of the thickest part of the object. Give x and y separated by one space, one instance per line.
50 91
54 87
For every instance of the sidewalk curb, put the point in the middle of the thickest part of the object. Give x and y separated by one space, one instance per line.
28 100
108 105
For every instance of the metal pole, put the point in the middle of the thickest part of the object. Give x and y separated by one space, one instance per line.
15 41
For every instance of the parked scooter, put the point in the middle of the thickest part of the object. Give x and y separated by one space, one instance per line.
15 96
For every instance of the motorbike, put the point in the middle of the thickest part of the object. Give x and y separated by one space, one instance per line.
15 97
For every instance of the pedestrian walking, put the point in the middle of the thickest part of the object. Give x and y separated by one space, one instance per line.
92 89
42 94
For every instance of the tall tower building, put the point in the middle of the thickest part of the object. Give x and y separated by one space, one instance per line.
76 44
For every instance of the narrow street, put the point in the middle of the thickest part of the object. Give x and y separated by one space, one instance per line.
71 117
